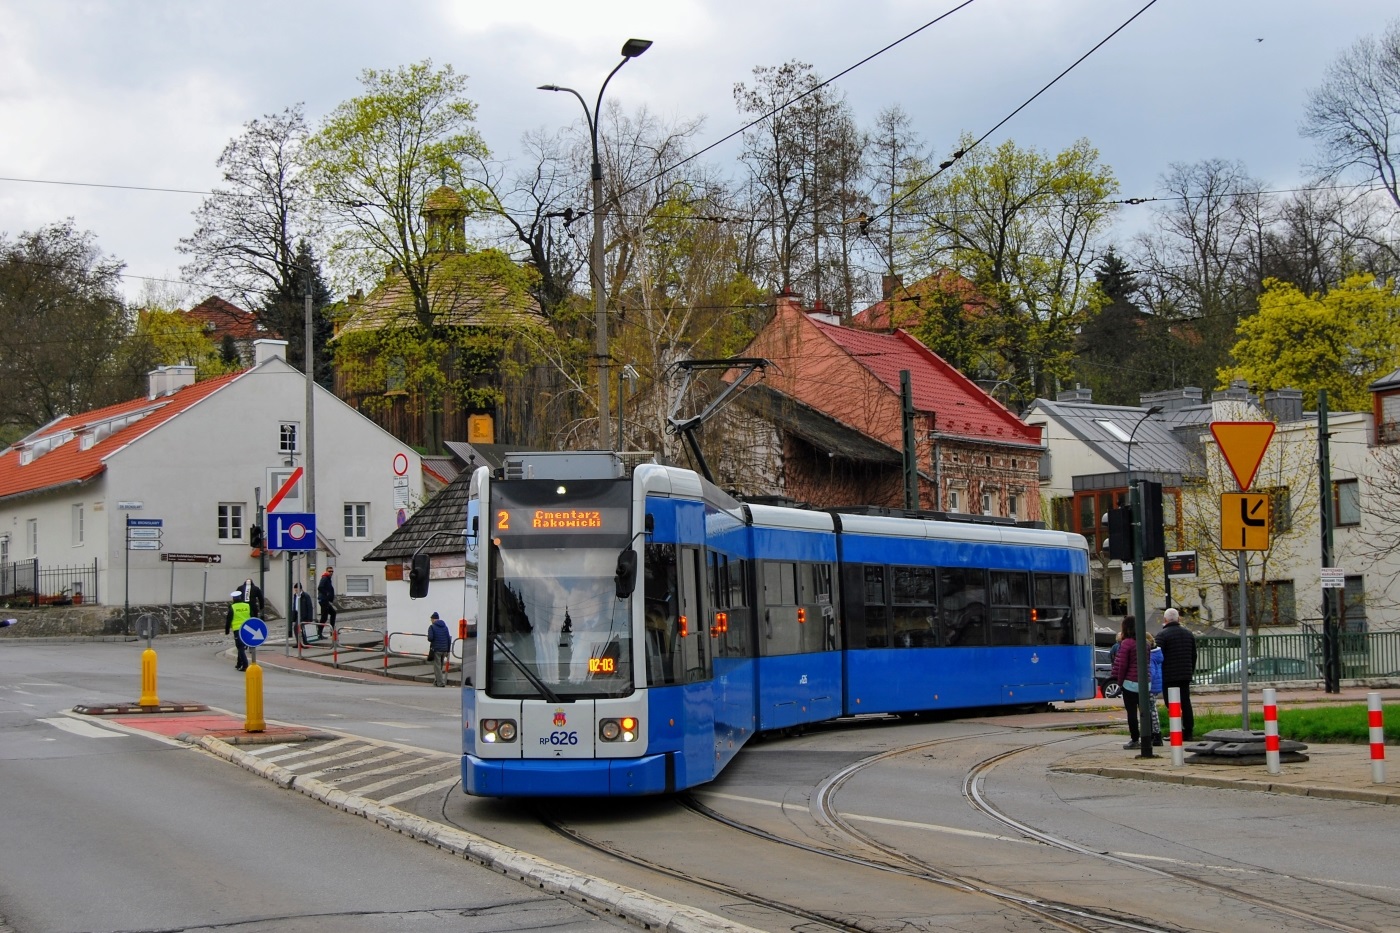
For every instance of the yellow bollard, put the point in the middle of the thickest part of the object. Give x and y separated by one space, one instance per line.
252 682
148 679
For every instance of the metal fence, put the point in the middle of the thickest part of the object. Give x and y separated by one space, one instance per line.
1296 657
27 583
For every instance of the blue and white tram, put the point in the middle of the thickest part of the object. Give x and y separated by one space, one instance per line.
636 630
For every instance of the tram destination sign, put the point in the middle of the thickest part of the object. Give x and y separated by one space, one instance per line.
192 558
572 520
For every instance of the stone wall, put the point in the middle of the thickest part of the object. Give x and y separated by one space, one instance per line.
60 621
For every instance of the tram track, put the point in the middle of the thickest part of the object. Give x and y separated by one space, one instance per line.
973 790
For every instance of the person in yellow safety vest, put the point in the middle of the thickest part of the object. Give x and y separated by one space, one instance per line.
239 611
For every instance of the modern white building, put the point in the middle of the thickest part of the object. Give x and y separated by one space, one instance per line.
190 463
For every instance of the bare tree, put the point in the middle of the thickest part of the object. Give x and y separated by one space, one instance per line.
246 231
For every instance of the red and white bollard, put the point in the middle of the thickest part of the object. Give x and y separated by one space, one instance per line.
1271 730
1174 725
1373 706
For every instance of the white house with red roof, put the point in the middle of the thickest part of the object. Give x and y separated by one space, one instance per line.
833 403
200 456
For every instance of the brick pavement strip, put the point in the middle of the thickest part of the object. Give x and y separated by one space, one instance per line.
629 904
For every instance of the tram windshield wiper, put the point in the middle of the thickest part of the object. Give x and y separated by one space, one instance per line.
524 668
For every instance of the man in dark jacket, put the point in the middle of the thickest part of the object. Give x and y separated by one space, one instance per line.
325 595
303 613
1178 665
439 647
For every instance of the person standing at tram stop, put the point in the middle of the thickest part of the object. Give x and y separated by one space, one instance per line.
439 647
1179 665
325 594
239 611
1125 673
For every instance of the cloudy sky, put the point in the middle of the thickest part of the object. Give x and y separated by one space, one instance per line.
146 93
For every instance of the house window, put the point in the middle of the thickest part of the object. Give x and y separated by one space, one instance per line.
31 536
1346 502
1280 509
78 525
1269 604
357 520
953 500
1354 605
230 522
1012 504
356 585
288 436
986 503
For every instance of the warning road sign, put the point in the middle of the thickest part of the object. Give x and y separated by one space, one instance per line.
1244 521
1243 443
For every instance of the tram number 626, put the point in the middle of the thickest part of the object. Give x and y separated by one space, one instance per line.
560 738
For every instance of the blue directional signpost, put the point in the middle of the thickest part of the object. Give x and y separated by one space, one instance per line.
291 531
253 632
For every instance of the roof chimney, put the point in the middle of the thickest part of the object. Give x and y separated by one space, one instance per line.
268 349
888 284
1284 405
1077 394
167 380
821 313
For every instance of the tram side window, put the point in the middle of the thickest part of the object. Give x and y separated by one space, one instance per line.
662 595
729 625
1054 615
816 612
915 612
1083 618
695 637
877 620
1011 608
962 606
778 623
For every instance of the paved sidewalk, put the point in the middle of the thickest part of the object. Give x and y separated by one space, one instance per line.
1341 772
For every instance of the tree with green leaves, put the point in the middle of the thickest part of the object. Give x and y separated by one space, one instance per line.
1341 340
373 164
1023 226
62 326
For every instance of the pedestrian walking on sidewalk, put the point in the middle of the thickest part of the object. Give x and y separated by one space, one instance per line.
1179 665
439 647
239 611
1125 673
325 593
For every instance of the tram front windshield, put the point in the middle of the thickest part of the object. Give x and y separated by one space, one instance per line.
556 628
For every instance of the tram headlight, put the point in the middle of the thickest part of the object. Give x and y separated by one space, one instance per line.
618 730
497 730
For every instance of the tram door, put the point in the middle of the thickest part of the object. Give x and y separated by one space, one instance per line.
697 653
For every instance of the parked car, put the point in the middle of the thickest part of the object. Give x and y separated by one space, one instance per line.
1263 668
1103 666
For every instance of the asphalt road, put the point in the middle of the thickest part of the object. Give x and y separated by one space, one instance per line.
108 831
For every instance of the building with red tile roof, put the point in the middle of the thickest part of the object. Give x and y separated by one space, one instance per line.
833 401
218 319
201 457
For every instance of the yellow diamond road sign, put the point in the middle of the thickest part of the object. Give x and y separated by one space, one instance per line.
1243 443
1244 521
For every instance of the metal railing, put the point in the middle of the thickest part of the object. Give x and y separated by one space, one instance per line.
1288 657
29 582
387 645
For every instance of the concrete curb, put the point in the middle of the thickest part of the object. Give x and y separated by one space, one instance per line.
629 904
1356 794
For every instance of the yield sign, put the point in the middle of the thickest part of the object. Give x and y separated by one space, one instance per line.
1243 443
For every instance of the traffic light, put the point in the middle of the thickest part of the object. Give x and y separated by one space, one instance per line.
255 537
1153 536
418 576
1120 534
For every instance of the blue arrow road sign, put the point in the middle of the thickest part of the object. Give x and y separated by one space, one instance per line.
253 632
291 531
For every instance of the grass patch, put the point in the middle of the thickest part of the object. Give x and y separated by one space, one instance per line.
1321 724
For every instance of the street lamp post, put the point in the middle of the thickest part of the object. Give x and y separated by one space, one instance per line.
1146 708
630 50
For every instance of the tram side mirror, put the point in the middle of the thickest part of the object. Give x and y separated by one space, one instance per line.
418 577
626 576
